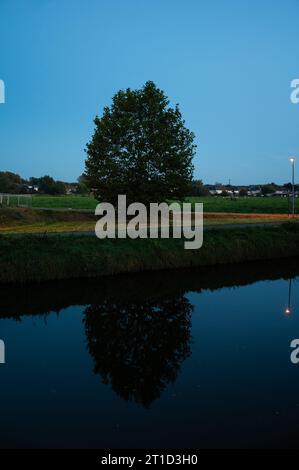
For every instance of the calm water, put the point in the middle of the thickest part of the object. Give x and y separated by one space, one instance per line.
182 359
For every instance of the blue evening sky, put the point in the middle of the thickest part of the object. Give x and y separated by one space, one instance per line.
228 63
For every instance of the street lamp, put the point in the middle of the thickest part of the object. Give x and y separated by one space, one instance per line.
293 160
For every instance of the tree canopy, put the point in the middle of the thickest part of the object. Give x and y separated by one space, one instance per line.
10 182
141 148
48 185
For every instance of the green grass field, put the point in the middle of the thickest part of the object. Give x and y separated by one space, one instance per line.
246 205
64 202
274 205
52 202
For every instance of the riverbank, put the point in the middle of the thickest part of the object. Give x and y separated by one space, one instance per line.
26 258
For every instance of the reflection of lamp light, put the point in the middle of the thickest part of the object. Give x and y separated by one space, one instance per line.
292 160
288 310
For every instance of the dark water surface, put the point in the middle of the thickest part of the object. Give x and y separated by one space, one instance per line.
195 359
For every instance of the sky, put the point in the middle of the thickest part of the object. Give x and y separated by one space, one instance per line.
228 63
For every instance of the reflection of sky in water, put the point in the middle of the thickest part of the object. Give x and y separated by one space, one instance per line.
237 388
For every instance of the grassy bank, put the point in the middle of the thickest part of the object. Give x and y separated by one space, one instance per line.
21 220
39 258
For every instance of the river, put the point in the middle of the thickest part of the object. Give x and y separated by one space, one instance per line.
188 359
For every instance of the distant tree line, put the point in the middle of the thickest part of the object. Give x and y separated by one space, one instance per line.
197 188
262 190
12 183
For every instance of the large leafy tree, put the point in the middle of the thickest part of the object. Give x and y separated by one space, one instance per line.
141 148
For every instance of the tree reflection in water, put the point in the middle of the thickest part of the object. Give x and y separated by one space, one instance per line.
138 348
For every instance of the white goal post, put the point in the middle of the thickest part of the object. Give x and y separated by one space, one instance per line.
19 200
